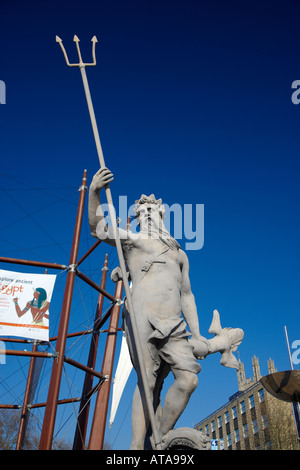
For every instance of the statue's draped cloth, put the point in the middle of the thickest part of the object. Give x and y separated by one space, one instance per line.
167 342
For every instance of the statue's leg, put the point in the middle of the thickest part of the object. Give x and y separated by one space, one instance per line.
139 421
140 417
161 375
177 398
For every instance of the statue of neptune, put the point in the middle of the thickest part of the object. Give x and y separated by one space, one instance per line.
164 306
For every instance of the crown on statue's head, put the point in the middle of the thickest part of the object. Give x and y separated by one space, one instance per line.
149 200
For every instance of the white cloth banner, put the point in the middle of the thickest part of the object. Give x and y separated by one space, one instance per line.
24 304
122 373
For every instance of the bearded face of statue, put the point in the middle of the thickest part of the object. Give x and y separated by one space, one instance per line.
150 215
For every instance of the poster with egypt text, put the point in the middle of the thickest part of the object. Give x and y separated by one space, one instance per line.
24 304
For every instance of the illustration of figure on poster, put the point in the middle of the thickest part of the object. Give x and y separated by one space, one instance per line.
38 306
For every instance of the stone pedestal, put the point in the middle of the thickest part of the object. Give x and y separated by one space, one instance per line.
185 439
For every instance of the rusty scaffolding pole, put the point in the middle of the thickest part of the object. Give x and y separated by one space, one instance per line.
55 380
24 413
100 414
80 433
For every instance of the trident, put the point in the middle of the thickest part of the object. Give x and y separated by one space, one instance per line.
112 214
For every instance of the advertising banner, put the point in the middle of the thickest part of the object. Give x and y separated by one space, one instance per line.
24 304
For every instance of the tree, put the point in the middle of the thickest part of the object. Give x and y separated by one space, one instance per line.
281 428
9 428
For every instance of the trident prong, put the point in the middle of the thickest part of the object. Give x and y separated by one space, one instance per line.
80 63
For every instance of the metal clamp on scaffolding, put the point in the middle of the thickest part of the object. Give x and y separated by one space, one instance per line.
72 268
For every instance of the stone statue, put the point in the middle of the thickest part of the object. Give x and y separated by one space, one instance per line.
164 307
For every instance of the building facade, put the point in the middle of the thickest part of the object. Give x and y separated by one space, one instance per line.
252 419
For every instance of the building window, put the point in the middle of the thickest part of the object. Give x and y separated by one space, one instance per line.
251 401
213 426
261 395
234 412
206 429
265 421
254 426
220 421
243 408
237 435
245 430
226 417
229 440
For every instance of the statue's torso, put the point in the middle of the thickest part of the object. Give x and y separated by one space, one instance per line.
156 274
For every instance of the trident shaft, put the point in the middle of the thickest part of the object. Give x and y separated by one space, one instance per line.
112 214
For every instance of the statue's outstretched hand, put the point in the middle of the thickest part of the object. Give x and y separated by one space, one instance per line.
200 346
103 177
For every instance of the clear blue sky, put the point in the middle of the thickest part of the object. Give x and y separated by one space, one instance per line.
193 103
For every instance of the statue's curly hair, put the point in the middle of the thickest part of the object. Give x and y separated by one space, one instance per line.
149 200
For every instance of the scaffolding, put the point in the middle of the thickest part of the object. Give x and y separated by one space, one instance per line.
104 376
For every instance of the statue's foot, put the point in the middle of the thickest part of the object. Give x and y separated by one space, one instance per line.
226 341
